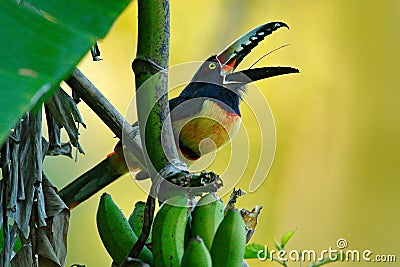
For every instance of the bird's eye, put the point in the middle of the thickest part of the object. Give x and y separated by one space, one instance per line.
212 66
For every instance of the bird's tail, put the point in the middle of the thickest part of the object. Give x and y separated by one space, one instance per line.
95 179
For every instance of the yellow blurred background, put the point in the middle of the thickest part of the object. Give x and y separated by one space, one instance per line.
336 172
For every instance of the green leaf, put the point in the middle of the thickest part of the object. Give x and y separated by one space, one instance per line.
286 237
251 251
277 245
40 43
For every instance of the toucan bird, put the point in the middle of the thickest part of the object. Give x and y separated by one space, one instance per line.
206 114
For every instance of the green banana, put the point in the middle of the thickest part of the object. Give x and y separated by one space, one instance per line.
229 242
136 219
169 232
116 233
196 254
206 217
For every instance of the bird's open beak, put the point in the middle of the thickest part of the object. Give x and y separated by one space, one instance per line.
232 55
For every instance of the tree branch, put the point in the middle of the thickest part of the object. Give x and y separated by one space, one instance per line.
87 184
85 90
105 110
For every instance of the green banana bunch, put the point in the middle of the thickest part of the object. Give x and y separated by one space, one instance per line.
136 219
206 217
116 233
196 254
229 242
169 232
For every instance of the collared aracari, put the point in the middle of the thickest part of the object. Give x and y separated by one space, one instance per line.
207 108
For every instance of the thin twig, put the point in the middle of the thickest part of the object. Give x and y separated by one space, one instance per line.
147 222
